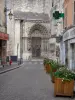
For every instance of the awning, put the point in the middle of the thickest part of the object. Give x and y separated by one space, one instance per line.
4 36
69 34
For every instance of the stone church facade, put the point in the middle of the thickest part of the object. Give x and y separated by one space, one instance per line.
29 29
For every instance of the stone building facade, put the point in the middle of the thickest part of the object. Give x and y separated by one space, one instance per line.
3 33
68 37
29 29
56 29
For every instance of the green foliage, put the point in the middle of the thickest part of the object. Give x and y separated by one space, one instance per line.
61 70
54 65
65 74
46 61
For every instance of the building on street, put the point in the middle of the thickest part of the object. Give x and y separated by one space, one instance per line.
3 33
56 29
29 28
68 38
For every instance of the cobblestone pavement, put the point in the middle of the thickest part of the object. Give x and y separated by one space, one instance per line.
29 82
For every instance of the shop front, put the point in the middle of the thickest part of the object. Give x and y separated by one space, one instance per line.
3 46
68 48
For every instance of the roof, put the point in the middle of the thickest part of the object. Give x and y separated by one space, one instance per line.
31 16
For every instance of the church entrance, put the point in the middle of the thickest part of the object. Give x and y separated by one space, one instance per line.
36 46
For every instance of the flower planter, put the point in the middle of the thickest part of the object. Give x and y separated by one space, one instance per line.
53 77
63 88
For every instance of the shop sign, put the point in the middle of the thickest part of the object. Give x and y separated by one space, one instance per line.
3 36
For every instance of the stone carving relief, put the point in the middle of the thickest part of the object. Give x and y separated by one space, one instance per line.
36 33
29 44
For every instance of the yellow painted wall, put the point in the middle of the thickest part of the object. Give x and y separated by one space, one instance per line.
2 14
69 5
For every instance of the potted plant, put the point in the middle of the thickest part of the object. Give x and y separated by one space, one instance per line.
54 67
47 66
64 82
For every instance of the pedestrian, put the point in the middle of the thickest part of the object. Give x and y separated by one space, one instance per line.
2 63
10 62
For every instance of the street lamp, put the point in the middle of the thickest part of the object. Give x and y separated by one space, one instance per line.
10 15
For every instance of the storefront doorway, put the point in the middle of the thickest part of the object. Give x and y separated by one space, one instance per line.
73 55
0 51
0 48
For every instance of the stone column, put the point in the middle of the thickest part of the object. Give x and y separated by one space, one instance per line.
23 45
26 44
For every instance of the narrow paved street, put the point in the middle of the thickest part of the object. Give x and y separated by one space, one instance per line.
29 82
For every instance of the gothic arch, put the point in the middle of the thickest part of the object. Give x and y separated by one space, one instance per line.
38 40
38 30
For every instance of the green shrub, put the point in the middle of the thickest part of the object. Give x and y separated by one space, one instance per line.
65 74
46 61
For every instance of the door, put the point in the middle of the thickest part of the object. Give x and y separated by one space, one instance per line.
36 46
73 56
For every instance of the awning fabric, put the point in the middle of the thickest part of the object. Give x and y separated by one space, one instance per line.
4 36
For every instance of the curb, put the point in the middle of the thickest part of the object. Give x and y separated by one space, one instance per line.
10 69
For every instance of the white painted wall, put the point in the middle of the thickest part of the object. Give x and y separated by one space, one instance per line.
11 32
17 38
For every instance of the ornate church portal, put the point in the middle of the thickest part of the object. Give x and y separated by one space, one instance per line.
38 40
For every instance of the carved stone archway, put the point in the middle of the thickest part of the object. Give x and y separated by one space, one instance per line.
37 35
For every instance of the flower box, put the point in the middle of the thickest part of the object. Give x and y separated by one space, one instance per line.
53 77
63 88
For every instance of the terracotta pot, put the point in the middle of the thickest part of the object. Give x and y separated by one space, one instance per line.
47 68
53 79
64 88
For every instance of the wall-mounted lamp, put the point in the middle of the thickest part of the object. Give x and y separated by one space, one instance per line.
10 15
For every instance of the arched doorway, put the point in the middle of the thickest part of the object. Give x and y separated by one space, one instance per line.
36 46
38 34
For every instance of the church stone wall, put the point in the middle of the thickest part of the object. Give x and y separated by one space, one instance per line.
27 28
39 6
29 25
